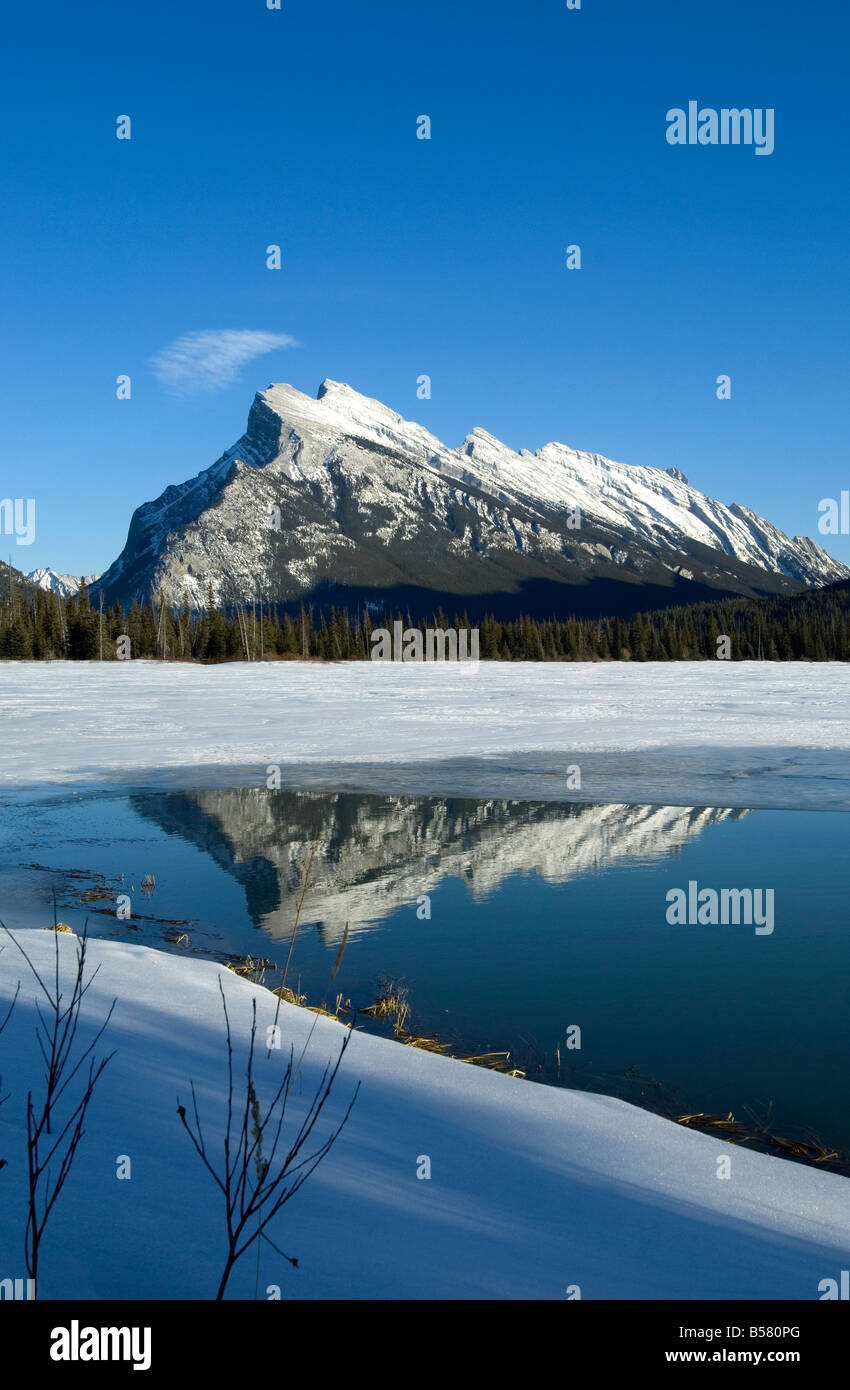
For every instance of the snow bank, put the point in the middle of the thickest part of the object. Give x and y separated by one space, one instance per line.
709 733
532 1189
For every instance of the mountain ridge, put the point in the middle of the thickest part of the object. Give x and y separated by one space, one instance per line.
338 498
56 582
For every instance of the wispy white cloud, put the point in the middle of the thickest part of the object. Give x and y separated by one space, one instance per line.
211 359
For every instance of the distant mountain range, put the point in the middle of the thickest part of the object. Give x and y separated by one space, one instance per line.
62 584
340 500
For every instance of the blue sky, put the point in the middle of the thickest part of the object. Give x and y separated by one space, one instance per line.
403 256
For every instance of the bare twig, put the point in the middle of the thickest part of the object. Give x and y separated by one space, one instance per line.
258 1178
3 1099
306 884
56 1033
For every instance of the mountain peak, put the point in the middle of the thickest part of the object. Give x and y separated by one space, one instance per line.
53 581
335 402
338 390
485 447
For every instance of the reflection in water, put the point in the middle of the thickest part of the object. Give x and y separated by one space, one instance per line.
543 916
379 853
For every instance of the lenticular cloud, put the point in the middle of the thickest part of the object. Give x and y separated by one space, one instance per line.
211 359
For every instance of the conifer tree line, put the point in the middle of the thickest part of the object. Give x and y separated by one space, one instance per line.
37 625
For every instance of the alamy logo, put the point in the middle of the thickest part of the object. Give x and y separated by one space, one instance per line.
836 1288
728 126
16 521
835 515
17 1288
438 644
77 1343
706 907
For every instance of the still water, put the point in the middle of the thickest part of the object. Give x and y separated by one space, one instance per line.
510 923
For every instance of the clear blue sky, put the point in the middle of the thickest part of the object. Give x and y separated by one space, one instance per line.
403 257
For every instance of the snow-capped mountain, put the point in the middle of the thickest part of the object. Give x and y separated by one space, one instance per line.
55 583
341 499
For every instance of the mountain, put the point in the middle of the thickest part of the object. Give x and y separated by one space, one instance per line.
55 583
340 500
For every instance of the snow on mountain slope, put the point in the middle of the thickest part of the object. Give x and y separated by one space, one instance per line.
54 582
654 503
343 491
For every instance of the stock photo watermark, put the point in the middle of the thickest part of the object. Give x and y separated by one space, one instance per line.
437 644
17 518
76 1343
728 126
724 907
834 517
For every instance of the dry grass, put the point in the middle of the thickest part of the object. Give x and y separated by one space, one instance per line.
701 1120
249 968
340 1007
392 1002
493 1061
796 1148
811 1151
289 996
424 1044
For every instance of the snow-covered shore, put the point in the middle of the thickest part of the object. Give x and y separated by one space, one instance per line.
532 1189
708 733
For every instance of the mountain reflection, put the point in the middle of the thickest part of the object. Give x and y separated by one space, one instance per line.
376 854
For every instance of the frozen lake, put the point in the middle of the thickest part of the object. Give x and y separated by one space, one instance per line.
747 734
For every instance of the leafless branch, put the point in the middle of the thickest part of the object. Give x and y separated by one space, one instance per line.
51 1139
255 1181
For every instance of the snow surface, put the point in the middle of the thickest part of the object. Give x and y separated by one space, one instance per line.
532 1188
749 734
